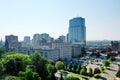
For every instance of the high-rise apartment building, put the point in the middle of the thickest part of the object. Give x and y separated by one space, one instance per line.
26 41
11 38
44 37
36 40
11 42
62 38
77 30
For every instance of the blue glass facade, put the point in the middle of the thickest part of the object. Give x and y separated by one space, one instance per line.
77 30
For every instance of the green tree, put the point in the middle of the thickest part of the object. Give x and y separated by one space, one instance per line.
29 75
78 68
66 66
2 51
13 63
1 70
109 55
82 72
36 57
84 68
118 72
97 70
90 72
71 78
112 58
59 65
40 65
51 69
13 66
106 63
51 62
75 67
51 77
70 66
61 77
12 78
83 51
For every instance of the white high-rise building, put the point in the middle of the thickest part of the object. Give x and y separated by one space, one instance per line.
26 41
36 40
45 37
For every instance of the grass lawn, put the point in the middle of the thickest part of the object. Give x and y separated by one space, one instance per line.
76 75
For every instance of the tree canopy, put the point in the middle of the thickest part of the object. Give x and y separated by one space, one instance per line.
71 78
59 65
29 75
13 63
106 63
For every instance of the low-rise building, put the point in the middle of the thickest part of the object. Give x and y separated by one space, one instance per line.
76 50
47 53
65 49
50 54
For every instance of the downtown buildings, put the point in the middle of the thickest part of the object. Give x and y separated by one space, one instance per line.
39 39
63 47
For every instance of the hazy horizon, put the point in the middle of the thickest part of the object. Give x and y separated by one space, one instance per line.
28 17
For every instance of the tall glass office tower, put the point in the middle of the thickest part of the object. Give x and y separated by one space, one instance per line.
77 30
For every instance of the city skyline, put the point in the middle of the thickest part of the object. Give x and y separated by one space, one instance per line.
25 18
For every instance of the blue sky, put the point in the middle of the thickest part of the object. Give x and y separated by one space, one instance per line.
27 17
